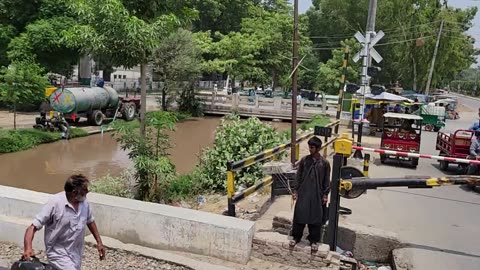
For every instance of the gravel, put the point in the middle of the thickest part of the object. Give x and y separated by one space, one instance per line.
115 259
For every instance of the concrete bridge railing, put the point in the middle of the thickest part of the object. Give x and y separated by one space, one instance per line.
235 101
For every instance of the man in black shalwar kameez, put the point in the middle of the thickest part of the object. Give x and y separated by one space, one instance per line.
311 193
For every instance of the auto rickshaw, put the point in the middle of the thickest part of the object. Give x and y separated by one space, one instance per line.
401 132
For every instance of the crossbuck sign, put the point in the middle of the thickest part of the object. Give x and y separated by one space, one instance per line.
373 53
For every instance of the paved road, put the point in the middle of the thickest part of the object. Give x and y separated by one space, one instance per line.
442 224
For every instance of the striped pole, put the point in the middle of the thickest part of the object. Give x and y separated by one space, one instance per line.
342 85
230 190
415 155
366 163
247 192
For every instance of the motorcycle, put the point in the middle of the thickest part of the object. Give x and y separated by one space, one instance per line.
56 123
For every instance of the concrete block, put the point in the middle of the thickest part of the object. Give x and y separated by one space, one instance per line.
366 243
13 230
149 224
401 259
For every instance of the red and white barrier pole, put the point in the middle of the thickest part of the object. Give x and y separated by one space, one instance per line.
415 155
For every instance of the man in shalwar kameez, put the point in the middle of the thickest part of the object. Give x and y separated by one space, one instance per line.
311 193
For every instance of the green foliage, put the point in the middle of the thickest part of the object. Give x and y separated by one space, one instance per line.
317 120
22 85
7 32
22 139
411 29
107 28
153 169
115 186
177 60
236 139
42 41
183 187
329 73
188 103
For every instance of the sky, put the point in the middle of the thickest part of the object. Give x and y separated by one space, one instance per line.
474 31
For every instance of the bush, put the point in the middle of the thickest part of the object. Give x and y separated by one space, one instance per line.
236 139
115 186
317 120
22 139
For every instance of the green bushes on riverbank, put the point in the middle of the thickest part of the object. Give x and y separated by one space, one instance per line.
22 139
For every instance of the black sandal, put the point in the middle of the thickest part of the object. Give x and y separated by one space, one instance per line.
314 247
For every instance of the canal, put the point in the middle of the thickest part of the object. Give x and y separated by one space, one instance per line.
46 167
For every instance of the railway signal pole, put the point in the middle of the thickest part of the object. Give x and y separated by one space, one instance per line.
367 53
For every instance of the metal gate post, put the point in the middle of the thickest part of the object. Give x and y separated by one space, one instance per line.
334 205
230 189
366 163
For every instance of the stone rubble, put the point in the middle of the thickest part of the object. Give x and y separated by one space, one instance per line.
115 259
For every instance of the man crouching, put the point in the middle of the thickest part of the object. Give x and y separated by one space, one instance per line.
64 217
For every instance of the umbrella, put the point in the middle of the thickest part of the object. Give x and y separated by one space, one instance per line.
388 97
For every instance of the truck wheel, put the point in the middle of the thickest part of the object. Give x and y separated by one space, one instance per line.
382 158
128 111
96 118
414 162
443 165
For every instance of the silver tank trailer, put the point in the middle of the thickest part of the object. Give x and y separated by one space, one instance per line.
83 99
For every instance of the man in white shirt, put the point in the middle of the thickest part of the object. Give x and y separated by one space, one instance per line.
65 217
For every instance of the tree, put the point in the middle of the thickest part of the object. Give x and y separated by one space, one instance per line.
7 32
329 73
108 29
273 31
22 83
153 169
177 59
411 28
234 54
223 16
42 40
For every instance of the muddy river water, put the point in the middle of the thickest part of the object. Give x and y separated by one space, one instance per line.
46 167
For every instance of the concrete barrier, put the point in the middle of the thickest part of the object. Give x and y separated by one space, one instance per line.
146 224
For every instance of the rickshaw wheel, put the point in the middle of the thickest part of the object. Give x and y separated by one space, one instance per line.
436 129
428 127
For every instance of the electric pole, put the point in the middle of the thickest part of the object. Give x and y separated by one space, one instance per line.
430 74
294 83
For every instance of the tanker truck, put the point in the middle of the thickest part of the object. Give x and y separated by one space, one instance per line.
93 103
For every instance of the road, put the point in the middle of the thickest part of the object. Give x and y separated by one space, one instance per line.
441 225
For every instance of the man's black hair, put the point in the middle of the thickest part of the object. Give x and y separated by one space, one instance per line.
315 141
75 181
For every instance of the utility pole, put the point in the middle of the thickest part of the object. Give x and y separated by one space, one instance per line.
370 32
430 74
294 84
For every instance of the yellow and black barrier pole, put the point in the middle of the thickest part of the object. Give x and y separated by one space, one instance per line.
230 189
245 193
366 164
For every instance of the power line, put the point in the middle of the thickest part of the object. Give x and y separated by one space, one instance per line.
402 41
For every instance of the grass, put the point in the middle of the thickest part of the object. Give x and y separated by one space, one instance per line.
317 120
23 139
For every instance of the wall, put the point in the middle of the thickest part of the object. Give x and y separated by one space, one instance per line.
146 224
